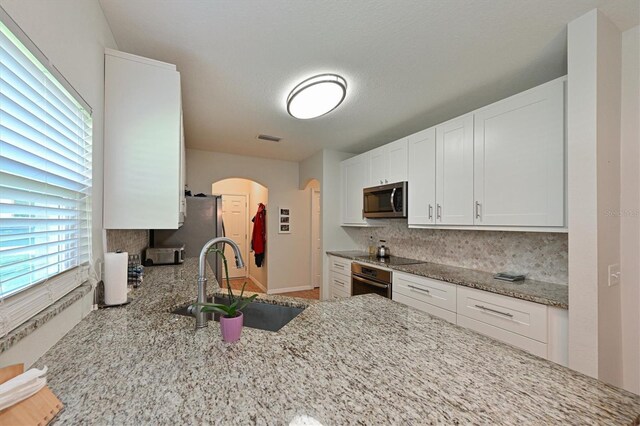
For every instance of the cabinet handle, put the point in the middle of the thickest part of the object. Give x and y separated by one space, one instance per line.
477 210
338 265
418 288
386 181
430 212
342 283
438 211
380 181
484 308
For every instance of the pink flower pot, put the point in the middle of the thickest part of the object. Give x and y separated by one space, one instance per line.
231 328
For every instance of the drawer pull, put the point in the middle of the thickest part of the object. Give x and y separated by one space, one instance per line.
339 265
342 283
484 308
418 288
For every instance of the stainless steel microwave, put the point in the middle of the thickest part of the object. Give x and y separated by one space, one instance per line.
386 201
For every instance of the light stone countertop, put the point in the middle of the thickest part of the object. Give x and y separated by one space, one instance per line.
534 291
361 360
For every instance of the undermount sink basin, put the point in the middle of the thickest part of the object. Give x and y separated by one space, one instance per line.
264 316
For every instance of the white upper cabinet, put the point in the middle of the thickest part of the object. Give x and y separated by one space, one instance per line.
398 157
378 166
354 176
499 167
519 159
389 163
454 172
142 143
422 177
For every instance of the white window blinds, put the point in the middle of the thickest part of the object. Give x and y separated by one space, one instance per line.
45 183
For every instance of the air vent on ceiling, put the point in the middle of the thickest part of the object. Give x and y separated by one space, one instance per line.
269 138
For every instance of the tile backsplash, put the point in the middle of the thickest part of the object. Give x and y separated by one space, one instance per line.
133 241
542 256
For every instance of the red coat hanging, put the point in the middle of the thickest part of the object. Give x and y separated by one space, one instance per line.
258 238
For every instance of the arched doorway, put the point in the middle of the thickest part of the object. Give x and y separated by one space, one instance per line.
241 199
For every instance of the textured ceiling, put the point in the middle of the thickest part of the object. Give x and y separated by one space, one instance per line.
409 64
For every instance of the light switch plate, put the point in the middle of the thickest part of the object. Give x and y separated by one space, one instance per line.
614 274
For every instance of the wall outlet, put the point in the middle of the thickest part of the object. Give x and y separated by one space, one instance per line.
614 274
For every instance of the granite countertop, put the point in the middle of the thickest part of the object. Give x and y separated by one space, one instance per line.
365 360
534 291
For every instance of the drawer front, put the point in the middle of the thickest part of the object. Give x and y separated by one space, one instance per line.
340 284
426 290
517 316
513 339
425 307
340 265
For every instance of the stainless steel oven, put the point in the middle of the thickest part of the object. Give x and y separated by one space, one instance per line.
386 201
367 279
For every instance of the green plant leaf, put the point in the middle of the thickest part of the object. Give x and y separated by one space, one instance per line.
244 302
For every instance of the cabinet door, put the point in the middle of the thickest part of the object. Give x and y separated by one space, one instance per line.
378 166
354 177
397 161
141 145
454 171
183 174
519 159
422 177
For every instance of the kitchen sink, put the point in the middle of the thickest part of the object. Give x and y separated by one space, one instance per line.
263 316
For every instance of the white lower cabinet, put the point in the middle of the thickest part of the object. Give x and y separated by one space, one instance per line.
513 315
434 297
536 328
340 285
339 277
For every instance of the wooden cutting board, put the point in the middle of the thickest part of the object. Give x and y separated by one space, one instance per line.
39 409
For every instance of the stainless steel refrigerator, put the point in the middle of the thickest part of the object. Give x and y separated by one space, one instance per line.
202 223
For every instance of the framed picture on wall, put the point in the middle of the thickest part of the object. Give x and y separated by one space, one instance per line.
284 214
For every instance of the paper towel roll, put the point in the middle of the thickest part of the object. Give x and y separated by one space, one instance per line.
115 278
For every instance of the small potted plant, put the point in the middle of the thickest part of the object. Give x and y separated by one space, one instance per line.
231 317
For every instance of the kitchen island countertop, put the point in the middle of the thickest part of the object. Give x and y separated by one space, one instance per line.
364 359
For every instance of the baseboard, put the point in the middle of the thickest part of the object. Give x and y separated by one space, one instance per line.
289 289
258 283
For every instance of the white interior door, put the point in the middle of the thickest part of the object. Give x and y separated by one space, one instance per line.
234 214
316 243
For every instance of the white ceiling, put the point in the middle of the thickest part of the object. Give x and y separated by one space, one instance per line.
408 64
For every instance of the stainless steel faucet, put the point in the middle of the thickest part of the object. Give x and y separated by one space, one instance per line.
201 317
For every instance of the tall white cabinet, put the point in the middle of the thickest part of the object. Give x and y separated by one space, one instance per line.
143 144
454 171
354 176
519 159
422 177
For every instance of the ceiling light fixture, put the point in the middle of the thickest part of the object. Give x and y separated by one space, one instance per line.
316 96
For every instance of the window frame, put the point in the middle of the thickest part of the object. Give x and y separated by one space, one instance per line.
19 306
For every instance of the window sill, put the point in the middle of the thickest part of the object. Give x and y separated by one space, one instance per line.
40 319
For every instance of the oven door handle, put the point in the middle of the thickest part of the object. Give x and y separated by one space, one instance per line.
371 283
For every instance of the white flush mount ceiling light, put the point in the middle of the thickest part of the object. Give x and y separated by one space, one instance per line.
316 96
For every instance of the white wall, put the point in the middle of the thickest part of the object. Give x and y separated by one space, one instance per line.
311 168
73 35
334 237
630 209
593 121
288 253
